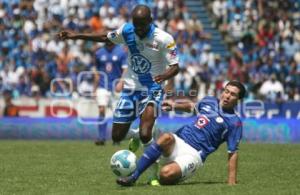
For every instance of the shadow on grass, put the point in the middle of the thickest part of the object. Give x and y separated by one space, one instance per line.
143 185
202 183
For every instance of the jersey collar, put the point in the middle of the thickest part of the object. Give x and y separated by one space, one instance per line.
151 31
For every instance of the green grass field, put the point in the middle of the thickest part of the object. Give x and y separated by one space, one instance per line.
79 167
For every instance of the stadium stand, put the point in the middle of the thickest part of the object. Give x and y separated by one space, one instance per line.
217 41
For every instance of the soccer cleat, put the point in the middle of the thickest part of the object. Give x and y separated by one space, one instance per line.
99 143
134 144
126 181
154 182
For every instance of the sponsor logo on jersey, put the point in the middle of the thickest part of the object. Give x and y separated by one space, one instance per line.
114 57
152 45
219 120
140 64
103 58
201 122
108 67
173 53
207 108
113 34
171 45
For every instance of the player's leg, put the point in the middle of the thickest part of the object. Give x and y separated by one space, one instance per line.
119 131
170 174
142 133
124 114
102 126
182 168
102 98
181 164
146 125
134 136
163 146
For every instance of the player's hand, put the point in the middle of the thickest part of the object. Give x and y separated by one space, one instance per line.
119 86
167 105
231 182
65 35
159 78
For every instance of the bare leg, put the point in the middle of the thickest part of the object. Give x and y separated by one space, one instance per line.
170 174
147 121
119 131
102 126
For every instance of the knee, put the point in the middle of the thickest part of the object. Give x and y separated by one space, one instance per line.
167 176
166 139
145 137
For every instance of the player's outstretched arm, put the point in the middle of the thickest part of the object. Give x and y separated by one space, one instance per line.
99 37
232 168
184 106
170 73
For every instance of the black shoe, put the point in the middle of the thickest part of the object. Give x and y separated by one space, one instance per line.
126 181
99 143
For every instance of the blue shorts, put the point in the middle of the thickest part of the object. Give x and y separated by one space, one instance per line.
133 103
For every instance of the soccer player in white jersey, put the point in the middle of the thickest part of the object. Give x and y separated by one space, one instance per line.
152 60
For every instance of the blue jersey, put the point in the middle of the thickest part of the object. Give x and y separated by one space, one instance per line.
111 63
212 127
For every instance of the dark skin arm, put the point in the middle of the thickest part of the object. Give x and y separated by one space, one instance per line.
170 73
99 37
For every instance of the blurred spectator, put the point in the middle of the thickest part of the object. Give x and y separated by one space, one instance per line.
111 22
272 89
263 36
10 110
236 28
96 22
219 9
183 82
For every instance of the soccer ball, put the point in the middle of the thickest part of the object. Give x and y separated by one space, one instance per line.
123 163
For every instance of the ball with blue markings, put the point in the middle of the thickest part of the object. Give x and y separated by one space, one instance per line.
123 163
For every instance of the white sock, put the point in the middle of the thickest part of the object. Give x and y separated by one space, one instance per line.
133 133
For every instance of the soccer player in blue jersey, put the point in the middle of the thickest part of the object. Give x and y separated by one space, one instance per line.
184 151
152 60
111 64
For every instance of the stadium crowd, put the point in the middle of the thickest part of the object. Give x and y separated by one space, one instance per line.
263 38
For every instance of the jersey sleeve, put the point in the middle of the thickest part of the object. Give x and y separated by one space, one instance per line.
170 51
234 137
206 101
116 35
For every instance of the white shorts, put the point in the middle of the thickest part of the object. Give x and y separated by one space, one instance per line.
185 156
103 97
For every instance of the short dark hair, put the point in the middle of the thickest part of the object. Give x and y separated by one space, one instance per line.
240 86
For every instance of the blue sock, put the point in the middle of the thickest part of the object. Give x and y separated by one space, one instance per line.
102 128
151 154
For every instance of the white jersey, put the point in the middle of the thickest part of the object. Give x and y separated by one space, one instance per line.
148 57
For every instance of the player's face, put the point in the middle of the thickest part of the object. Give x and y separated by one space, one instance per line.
141 26
229 97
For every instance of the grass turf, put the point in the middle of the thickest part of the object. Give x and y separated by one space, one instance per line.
79 167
